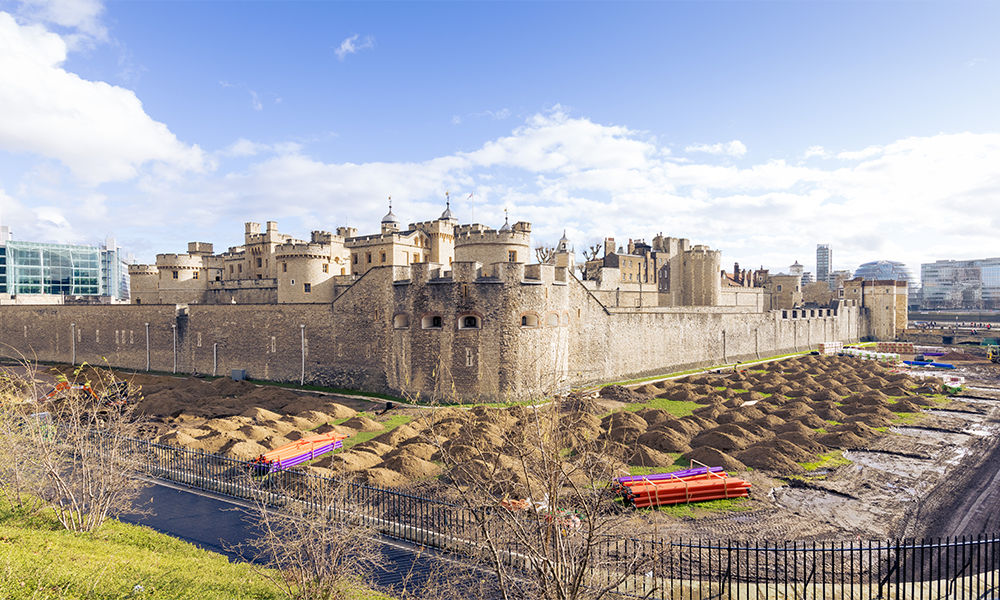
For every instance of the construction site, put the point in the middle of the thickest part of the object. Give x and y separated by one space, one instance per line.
830 446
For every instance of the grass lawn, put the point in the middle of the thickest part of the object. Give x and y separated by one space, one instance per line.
39 560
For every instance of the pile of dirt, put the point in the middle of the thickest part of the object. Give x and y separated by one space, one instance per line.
620 393
958 357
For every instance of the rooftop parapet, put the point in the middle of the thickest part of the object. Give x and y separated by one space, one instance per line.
325 237
302 250
476 233
143 270
199 248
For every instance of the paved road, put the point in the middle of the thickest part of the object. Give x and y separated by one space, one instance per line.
217 523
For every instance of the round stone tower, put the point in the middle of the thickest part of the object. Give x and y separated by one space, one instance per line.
305 273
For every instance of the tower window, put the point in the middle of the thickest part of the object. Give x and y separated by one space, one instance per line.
307 287
175 274
326 268
284 267
512 256
194 275
260 262
383 257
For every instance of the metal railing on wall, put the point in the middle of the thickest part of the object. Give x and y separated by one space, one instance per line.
965 567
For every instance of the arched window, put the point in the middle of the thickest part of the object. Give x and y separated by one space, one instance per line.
401 321
552 320
431 322
529 320
469 322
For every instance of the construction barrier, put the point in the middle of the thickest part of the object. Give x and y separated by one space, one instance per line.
693 485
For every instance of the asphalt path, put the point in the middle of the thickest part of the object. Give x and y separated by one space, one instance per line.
219 524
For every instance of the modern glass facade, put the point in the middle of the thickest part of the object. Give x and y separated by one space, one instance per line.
62 270
962 284
824 262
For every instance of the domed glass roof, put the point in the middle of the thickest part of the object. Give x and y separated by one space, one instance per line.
884 270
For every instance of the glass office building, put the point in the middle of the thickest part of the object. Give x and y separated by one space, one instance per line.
29 268
824 262
961 284
885 270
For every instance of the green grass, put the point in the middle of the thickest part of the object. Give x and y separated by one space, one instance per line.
830 460
677 408
40 561
705 509
363 436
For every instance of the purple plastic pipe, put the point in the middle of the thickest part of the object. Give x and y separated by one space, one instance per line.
673 475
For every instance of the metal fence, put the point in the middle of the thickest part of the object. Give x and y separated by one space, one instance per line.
963 567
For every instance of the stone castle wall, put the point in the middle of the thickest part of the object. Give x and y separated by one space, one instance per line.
504 331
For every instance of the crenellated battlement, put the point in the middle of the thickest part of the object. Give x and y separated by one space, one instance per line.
140 270
319 250
476 233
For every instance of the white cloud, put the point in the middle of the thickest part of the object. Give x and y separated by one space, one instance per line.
816 151
255 100
456 120
80 17
100 132
734 148
348 46
860 154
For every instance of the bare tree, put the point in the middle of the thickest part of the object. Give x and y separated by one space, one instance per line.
78 454
547 519
319 541
545 253
593 251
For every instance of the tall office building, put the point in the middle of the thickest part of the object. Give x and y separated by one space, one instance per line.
824 262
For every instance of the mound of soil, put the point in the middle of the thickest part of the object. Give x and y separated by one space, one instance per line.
243 449
350 461
794 427
709 412
904 406
844 440
385 478
679 395
685 428
411 467
720 441
805 442
715 458
869 419
363 423
623 418
260 414
769 422
420 450
648 457
664 440
621 394
732 416
859 429
769 460
652 416
958 357
580 403
824 395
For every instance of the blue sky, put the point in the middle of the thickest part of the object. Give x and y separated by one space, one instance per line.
758 128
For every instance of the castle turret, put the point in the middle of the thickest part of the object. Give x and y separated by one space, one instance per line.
144 284
476 243
564 255
701 285
305 272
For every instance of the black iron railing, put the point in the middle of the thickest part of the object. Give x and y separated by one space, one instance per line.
966 567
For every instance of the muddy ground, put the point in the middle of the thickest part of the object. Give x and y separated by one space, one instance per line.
916 465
